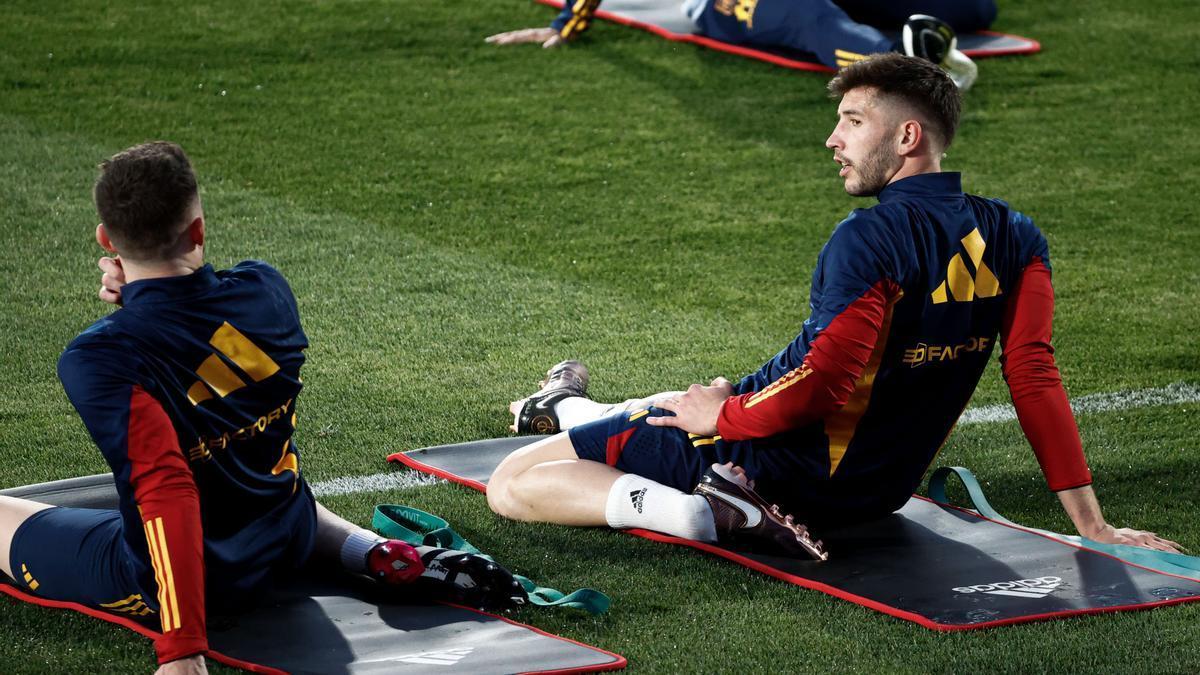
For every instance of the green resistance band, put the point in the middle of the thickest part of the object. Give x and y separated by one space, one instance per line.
419 528
1170 563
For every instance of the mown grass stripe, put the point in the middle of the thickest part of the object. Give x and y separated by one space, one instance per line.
1179 392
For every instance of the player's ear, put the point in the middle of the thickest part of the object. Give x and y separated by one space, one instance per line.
909 137
195 231
103 239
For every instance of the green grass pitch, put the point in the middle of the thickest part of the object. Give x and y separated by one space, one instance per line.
455 217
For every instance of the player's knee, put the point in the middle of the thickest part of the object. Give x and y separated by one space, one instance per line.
499 498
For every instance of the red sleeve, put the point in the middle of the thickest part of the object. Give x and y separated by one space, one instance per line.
170 507
1036 386
823 382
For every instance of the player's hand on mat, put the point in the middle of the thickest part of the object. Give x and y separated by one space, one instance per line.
548 37
696 409
1131 537
468 579
111 279
190 665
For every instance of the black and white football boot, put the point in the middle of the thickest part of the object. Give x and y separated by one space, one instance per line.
535 415
467 579
744 520
934 40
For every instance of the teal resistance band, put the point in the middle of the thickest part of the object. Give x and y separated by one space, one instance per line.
1171 563
419 528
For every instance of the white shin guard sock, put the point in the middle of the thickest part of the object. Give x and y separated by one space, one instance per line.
575 410
635 501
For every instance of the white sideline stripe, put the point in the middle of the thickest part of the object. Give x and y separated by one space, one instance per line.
1180 392
392 480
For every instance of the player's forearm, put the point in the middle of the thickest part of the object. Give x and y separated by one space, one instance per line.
169 504
174 538
1084 510
1035 384
825 379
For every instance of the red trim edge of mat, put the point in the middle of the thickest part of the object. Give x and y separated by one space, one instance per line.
758 54
136 627
133 626
830 590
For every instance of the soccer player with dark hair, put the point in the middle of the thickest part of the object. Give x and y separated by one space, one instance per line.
908 298
190 392
836 32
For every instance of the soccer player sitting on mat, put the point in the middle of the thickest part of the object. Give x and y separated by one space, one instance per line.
907 298
821 27
190 393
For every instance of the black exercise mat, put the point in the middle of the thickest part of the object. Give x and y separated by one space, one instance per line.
940 566
347 625
665 19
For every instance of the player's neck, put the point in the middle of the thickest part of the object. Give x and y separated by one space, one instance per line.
158 269
916 165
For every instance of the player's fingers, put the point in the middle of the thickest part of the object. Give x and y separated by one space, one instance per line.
517 36
668 404
1165 545
554 41
1168 542
664 421
111 297
112 282
114 272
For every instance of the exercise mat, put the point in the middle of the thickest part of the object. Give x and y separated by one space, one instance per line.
941 566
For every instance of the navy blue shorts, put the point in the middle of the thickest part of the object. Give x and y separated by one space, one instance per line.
663 454
79 555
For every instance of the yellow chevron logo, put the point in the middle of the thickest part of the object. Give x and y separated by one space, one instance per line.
960 285
217 377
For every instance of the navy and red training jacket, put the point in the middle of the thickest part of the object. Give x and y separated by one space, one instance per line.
190 393
908 298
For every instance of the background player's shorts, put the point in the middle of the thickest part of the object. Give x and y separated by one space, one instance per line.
78 555
663 454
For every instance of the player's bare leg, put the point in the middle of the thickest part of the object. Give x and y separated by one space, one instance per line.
547 482
14 512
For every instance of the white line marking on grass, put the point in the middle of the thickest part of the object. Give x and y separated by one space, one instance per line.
1180 392
393 480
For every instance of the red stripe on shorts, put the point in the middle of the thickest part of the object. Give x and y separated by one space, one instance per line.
612 452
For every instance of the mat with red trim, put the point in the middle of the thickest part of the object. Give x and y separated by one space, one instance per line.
940 566
665 19
347 626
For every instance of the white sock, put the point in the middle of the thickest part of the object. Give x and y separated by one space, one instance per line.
355 549
635 501
575 410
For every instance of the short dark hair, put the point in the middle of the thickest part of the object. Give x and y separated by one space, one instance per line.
143 195
915 81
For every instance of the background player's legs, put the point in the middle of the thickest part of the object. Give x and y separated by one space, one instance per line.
965 16
13 512
549 482
576 410
816 26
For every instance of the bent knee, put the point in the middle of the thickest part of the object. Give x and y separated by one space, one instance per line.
498 499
